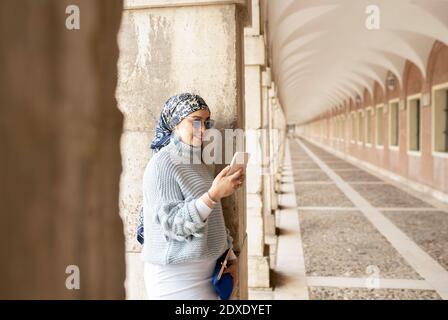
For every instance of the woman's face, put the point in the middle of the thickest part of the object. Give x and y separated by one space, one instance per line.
187 129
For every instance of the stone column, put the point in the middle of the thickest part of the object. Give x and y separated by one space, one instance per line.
60 159
280 125
254 54
269 214
273 144
169 47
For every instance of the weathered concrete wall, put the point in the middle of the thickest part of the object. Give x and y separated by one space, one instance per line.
59 151
165 51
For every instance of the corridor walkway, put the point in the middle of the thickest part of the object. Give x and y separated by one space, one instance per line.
357 236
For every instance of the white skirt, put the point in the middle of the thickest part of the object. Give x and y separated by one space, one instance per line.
183 281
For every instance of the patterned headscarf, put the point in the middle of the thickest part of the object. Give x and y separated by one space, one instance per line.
174 111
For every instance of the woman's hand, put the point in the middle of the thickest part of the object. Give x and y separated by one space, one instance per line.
232 268
224 186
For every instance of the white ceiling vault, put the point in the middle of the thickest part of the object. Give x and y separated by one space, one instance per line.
322 53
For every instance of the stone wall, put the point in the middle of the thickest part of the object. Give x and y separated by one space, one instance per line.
165 49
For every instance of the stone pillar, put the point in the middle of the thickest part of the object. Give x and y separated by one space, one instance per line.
254 56
169 47
273 144
269 214
267 207
280 125
60 159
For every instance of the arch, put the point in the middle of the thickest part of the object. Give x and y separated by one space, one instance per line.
437 68
413 80
321 59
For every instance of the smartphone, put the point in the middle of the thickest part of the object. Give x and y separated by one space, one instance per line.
240 160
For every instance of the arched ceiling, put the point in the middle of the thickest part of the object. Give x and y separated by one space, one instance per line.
322 53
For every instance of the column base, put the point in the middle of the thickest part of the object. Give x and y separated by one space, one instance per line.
271 243
259 272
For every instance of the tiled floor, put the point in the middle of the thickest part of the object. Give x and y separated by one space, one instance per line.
428 229
332 293
356 235
344 244
309 195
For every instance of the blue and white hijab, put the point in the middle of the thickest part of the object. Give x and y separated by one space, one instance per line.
174 111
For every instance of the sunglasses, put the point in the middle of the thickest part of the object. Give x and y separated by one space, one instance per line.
208 124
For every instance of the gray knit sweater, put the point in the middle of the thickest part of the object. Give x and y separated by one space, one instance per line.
174 231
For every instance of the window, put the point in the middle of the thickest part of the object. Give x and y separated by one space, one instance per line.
414 130
360 127
379 126
440 120
394 123
369 126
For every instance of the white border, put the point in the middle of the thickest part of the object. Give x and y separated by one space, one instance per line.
389 129
381 105
438 154
416 153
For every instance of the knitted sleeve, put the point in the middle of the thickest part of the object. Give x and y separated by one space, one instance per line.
178 217
180 220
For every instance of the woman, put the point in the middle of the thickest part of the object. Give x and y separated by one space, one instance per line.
184 228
